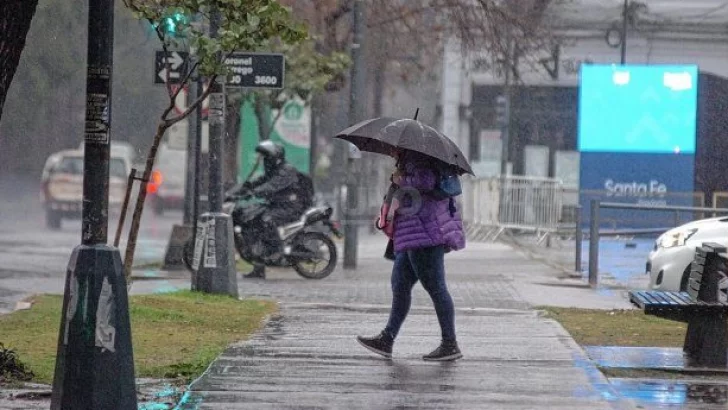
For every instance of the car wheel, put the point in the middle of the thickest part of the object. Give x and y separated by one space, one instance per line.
53 220
722 269
684 280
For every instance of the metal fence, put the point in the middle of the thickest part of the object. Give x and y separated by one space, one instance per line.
495 205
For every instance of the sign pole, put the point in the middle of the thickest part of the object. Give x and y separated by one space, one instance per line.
217 273
356 112
182 234
94 361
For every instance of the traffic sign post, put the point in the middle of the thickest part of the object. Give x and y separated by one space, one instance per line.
171 66
255 70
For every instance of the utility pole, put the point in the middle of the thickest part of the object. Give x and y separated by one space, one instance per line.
623 39
181 234
94 361
357 99
506 103
216 264
188 216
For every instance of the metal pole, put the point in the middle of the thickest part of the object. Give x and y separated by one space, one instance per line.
507 93
217 124
216 273
191 172
216 118
623 40
196 184
198 154
357 98
124 206
181 234
578 238
94 366
594 244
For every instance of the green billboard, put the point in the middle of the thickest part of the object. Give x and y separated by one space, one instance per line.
292 129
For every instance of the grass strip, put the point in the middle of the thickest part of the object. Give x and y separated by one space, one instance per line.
174 335
594 327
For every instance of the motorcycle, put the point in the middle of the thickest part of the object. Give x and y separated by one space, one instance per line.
306 244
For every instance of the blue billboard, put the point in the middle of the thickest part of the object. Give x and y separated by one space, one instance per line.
638 108
637 137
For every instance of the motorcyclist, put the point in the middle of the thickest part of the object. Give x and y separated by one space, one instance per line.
287 193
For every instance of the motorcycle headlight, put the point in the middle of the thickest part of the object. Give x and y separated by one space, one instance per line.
678 238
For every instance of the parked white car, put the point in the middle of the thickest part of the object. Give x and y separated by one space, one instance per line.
668 264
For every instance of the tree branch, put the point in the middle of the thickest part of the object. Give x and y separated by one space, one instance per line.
198 101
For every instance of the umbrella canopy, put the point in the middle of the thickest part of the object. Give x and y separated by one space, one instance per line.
385 135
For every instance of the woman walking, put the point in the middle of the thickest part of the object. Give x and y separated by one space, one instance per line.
425 228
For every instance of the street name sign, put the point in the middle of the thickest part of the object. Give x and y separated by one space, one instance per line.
255 70
173 65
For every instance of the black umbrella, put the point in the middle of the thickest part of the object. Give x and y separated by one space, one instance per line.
384 135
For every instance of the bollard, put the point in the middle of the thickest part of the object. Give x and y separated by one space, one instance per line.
577 238
594 244
214 258
94 362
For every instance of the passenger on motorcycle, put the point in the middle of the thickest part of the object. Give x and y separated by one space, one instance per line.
287 193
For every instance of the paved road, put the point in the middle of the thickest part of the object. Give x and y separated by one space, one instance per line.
33 258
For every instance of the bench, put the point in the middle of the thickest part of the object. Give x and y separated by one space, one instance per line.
701 307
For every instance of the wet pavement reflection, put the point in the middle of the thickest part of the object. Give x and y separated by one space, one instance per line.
640 358
657 394
621 261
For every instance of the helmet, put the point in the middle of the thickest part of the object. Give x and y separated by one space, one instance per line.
273 154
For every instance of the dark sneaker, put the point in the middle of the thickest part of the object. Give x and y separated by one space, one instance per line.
447 351
257 272
380 344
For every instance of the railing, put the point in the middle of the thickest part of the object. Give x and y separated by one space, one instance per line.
492 206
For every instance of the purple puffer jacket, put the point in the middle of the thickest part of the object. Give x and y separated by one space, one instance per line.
422 221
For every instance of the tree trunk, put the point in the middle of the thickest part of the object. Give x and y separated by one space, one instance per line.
15 18
139 207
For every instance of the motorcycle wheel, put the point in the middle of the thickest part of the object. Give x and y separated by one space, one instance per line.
240 247
318 243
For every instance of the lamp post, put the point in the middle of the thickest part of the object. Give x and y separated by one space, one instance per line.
94 361
357 105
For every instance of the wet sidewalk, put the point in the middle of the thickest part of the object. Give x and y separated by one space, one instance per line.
307 356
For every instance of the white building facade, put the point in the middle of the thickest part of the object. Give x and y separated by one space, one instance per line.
664 32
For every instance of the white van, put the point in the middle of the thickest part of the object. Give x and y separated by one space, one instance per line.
61 190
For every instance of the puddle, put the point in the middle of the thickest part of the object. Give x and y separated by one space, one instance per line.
662 358
636 357
667 392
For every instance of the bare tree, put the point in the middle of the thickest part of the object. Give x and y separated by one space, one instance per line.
15 18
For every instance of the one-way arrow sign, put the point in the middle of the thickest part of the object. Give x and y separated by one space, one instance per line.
173 65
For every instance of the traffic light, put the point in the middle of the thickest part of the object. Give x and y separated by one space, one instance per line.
502 110
173 25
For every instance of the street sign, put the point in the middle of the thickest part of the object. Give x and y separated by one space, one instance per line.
172 65
255 70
